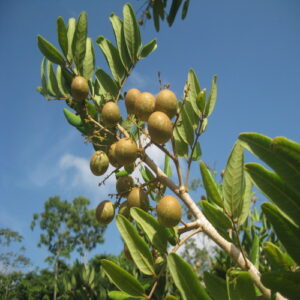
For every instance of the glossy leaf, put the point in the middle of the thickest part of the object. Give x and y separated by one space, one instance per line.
148 48
79 41
62 35
156 233
212 98
122 279
192 89
210 185
286 283
112 57
197 152
131 32
89 60
287 232
233 182
117 25
277 259
181 146
70 35
215 286
185 279
72 118
116 295
276 190
138 249
284 162
107 86
49 51
247 196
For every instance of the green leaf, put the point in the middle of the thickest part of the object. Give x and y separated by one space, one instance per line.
72 119
181 147
137 247
52 85
43 77
131 32
107 86
286 283
201 100
192 89
70 36
89 60
112 57
247 196
62 35
212 98
116 295
194 119
156 11
49 51
167 166
185 128
61 82
197 152
284 162
210 185
79 41
173 11
117 25
254 253
156 233
277 258
287 232
185 9
215 286
148 48
240 285
233 182
217 217
276 190
185 279
122 279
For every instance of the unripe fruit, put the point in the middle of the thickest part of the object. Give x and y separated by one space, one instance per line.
111 114
126 151
99 163
131 96
166 102
160 127
144 106
124 185
124 210
111 153
79 88
105 212
138 198
169 211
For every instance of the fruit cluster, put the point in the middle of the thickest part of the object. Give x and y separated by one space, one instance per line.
157 112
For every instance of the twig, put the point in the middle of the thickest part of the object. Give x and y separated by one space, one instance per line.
123 131
111 173
185 239
166 151
188 227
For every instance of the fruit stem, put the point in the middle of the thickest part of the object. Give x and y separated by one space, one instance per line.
187 237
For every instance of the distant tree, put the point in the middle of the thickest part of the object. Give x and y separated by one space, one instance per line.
67 227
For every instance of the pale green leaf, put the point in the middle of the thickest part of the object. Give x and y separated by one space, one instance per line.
192 89
43 77
197 152
148 48
70 36
181 147
89 60
62 35
212 98
52 85
61 82
108 88
247 196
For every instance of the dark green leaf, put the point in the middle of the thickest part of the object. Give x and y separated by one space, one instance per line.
43 77
156 233
233 182
137 247
287 232
108 88
131 32
276 190
212 98
210 185
185 9
201 100
52 85
70 35
185 279
156 12
62 35
192 115
89 60
173 11
49 51
122 279
148 48
286 283
79 41
215 286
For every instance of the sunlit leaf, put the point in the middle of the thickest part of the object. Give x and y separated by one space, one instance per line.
247 196
62 35
212 98
148 48
70 35
107 86
89 60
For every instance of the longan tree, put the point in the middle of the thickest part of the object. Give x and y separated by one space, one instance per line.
149 214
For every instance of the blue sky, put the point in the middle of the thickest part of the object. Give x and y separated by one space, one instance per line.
253 46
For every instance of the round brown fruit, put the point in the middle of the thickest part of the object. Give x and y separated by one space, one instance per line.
79 88
126 151
166 102
111 153
169 211
124 185
138 198
99 163
130 99
124 210
144 106
111 114
160 127
105 212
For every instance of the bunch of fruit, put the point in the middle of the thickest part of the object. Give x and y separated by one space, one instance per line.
157 112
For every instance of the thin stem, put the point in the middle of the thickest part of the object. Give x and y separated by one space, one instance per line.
156 282
123 131
166 151
187 227
185 239
177 165
239 242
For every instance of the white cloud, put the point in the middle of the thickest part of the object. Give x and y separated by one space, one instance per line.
138 81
